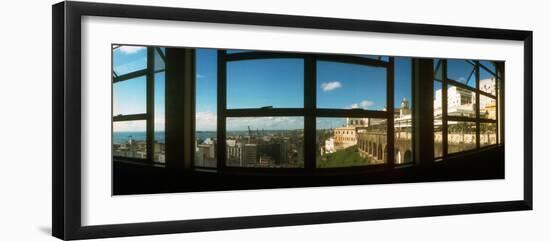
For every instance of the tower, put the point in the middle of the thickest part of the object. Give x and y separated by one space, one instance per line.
404 107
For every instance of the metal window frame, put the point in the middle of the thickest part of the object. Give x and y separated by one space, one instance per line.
477 119
309 112
149 115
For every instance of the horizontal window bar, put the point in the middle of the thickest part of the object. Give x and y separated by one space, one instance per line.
461 85
130 117
351 113
488 95
487 120
264 112
130 75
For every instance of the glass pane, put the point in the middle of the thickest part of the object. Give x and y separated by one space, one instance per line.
438 70
269 142
487 107
403 111
276 83
461 136
461 71
350 86
438 122
127 59
159 59
487 77
345 142
460 102
130 96
129 139
206 108
235 51
159 154
487 134
376 57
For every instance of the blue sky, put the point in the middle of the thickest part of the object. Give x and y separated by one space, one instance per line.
257 83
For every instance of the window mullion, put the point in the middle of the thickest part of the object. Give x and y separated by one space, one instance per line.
390 128
310 104
444 101
477 105
150 125
222 107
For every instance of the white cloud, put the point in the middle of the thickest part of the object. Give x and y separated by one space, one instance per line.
130 49
199 76
364 104
205 121
328 86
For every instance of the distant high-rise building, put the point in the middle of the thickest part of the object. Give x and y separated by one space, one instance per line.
250 153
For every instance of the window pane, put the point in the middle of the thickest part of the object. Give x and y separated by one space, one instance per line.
438 121
129 139
345 142
487 77
438 70
350 86
127 59
265 142
276 83
487 134
376 57
487 107
403 111
461 71
461 136
206 108
159 154
130 96
460 102
159 59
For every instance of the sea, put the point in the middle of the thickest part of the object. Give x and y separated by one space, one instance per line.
124 136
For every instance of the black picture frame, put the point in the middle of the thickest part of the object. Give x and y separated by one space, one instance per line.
66 127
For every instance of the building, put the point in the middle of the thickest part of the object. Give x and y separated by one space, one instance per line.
234 152
250 154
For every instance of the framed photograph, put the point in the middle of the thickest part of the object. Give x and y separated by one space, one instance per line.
169 120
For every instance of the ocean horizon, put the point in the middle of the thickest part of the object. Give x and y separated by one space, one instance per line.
123 136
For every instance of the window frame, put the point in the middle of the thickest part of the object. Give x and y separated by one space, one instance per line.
309 112
445 118
149 115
